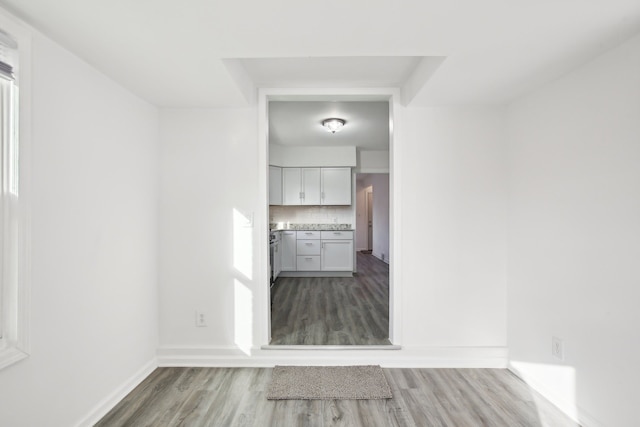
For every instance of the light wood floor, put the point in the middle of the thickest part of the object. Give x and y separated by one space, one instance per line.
333 310
198 397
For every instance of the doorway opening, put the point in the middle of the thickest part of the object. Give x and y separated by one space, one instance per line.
372 215
304 305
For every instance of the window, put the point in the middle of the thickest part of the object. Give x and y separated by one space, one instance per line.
13 208
8 137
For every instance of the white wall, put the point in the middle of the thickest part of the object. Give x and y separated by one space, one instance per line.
454 241
295 156
93 247
209 168
453 227
575 237
373 161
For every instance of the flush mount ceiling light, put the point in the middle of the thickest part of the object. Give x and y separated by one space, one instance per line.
333 125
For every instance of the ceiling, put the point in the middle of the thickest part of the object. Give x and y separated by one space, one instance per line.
174 54
300 123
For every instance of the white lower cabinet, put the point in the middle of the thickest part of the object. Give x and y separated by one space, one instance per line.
336 235
312 250
277 260
308 250
308 247
288 250
337 255
309 263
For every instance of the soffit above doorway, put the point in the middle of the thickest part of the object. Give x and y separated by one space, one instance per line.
407 73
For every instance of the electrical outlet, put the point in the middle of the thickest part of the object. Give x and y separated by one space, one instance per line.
201 320
557 348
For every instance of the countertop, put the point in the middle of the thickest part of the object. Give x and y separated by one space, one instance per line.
321 227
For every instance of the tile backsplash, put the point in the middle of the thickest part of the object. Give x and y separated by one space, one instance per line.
311 214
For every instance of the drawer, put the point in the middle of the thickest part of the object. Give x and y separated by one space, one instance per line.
308 235
336 235
309 263
308 247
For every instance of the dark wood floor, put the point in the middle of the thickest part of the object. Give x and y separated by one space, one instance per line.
333 310
199 397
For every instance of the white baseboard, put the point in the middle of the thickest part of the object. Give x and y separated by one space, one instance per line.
574 412
316 274
379 256
405 357
102 408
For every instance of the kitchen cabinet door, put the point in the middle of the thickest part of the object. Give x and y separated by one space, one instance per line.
277 260
316 186
309 263
275 185
336 186
308 247
310 186
336 235
291 186
288 250
337 255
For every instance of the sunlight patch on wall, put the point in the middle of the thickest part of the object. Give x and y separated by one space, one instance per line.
555 382
243 243
243 316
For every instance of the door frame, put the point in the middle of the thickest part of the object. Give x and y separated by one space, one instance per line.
368 202
261 308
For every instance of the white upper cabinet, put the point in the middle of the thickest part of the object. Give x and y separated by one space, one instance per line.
336 186
301 186
316 186
291 186
310 186
275 185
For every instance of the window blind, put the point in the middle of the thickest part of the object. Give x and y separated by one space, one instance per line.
8 55
6 70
